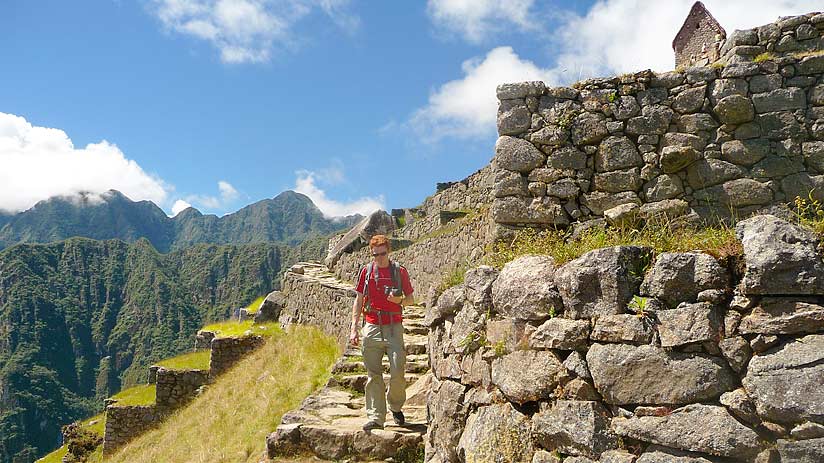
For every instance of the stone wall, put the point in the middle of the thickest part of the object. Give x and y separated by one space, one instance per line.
313 296
123 423
227 351
786 36
429 260
702 144
699 40
613 356
175 388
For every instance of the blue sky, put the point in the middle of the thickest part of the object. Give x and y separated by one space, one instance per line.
219 103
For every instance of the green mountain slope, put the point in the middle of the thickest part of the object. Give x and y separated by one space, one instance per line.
80 319
288 218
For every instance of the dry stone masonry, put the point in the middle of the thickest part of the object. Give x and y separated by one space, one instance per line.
697 145
613 357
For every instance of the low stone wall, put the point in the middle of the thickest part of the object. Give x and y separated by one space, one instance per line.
601 360
428 261
175 388
313 296
788 35
227 351
125 423
701 145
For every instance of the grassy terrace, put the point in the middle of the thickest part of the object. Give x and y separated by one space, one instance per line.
230 329
255 305
143 394
192 361
242 406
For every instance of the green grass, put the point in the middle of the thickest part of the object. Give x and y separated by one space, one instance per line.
455 277
719 241
198 360
143 394
234 329
56 456
766 56
230 420
255 305
98 427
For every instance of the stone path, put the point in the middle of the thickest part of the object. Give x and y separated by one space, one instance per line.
328 423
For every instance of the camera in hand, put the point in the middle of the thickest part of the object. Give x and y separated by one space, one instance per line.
392 291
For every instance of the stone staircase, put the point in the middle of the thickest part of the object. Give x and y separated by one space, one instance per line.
328 423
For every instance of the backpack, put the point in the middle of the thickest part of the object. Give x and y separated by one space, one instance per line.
395 269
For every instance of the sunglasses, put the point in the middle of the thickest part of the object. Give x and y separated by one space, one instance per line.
379 254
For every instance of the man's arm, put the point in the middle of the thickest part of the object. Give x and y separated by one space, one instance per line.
356 311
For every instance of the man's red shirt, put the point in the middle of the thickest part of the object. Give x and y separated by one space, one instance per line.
386 312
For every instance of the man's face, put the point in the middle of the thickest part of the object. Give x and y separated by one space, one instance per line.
380 254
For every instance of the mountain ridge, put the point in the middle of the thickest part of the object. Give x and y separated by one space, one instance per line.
288 218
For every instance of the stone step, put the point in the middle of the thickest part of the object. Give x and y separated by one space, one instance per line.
357 382
414 363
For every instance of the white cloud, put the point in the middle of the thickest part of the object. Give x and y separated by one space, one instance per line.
306 183
226 195
247 31
613 37
617 36
37 163
467 107
179 206
476 20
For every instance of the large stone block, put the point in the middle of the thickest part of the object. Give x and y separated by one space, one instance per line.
601 282
745 152
734 110
689 323
780 258
615 153
562 334
519 210
678 277
496 433
528 375
525 289
709 172
513 117
736 193
785 384
517 154
575 427
448 412
781 99
783 315
625 374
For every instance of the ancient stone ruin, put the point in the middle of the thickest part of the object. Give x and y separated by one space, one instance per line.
699 41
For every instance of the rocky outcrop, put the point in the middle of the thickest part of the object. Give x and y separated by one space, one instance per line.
377 223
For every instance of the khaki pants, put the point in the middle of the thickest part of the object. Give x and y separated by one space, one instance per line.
377 341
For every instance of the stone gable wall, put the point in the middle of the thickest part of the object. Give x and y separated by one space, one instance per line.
227 351
175 388
701 41
613 357
700 145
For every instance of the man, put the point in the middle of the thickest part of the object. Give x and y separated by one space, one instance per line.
383 289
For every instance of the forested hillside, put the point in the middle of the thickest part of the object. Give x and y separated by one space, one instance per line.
80 318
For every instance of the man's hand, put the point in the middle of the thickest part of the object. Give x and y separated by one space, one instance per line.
354 337
395 299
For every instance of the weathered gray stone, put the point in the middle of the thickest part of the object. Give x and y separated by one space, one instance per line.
513 117
478 282
518 210
722 88
736 193
779 125
575 427
622 328
675 158
785 384
548 176
615 153
690 100
567 158
740 405
542 456
517 155
701 428
655 120
709 172
763 342
625 374
694 123
776 166
520 90
734 109
814 155
588 129
679 276
683 139
551 135
805 451
527 375
271 307
807 430
509 183
623 215
464 334
564 188
508 334
378 222
496 433
598 201
577 364
561 333
745 152
448 411
658 454
449 303
689 323
736 352
811 65
780 258
618 180
765 83
525 289
782 315
663 187
652 96
601 282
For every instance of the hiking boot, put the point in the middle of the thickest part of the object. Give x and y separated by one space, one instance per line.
400 420
370 425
